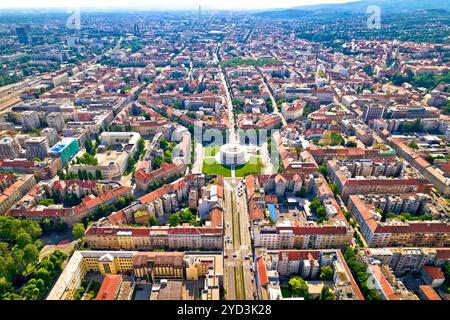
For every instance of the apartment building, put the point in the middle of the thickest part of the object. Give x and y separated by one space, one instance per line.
36 147
144 175
324 154
273 265
393 232
15 191
292 111
9 148
150 238
374 177
30 120
145 266
56 121
111 163
89 204
388 286
305 237
404 260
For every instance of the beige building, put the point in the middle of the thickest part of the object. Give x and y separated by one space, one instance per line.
16 191
150 266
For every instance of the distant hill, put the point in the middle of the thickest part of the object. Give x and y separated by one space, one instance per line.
357 7
285 14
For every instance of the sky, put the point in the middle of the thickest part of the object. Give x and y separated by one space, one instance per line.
164 4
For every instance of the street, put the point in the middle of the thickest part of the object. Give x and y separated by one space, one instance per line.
238 258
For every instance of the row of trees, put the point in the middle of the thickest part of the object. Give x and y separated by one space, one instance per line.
80 175
409 127
48 225
185 215
86 158
91 147
131 166
318 209
105 210
158 183
358 270
235 62
406 216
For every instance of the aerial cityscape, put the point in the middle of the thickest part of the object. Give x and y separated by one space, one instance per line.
293 151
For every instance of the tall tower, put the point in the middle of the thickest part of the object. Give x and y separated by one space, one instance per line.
200 15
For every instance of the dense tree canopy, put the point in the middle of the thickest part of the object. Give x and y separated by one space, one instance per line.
299 287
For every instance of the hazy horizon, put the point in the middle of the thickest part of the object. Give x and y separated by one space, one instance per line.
165 4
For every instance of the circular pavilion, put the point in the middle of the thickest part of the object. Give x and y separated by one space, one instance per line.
232 154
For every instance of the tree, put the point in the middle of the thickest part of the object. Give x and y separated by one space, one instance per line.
98 174
398 79
23 239
299 287
301 193
71 199
413 145
323 170
30 254
321 212
156 162
359 273
31 292
163 144
185 215
168 156
326 273
153 221
121 203
5 286
314 205
130 166
141 146
334 188
44 275
446 109
326 294
90 149
46 202
78 231
174 220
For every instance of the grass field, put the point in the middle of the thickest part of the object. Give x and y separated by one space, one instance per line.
215 168
211 151
254 165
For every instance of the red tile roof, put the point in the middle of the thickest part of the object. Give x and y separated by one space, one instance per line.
216 218
435 273
429 292
262 272
110 287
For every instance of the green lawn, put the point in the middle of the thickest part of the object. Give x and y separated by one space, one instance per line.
211 150
254 165
216 168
